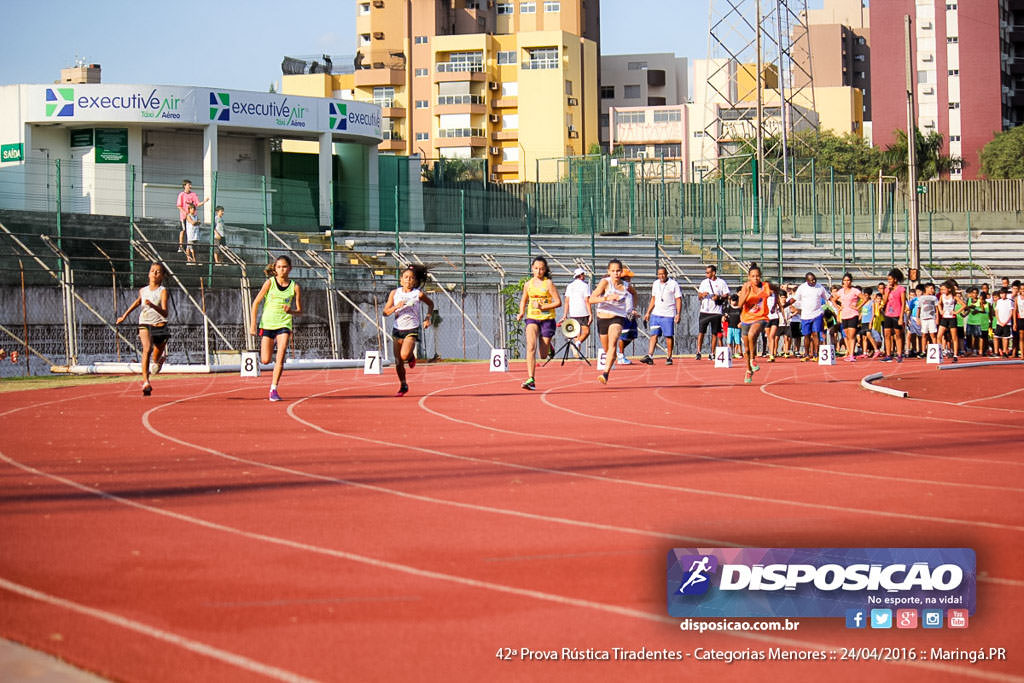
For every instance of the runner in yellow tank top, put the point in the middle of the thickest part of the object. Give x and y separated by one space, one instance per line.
538 304
283 301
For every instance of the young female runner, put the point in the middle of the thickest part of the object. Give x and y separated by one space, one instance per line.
611 297
950 304
850 299
404 302
152 323
538 304
753 299
283 302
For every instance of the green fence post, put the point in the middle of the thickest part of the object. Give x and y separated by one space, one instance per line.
760 261
970 245
853 223
892 237
778 241
398 241
462 226
593 245
814 204
663 201
720 223
59 231
632 195
529 246
931 257
682 209
131 227
755 189
266 237
213 243
792 208
842 226
832 208
874 212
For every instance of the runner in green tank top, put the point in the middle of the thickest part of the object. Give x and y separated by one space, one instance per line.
283 300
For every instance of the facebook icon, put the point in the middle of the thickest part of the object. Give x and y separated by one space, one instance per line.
856 618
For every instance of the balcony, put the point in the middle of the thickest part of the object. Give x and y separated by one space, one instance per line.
460 104
393 144
535 64
379 76
505 102
392 112
459 71
507 167
505 134
461 137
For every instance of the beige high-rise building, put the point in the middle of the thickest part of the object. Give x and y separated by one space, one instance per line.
511 82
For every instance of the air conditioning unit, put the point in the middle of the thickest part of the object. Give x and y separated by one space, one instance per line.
573 102
495 150
495 118
494 176
574 133
378 35
493 85
378 3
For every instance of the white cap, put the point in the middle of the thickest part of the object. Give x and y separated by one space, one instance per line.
578 272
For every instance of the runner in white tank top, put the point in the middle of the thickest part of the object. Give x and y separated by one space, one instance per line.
152 323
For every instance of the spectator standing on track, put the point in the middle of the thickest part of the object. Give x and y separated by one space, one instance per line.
894 304
732 319
713 293
186 198
404 303
849 299
153 331
912 342
753 300
538 304
771 330
795 322
1003 321
810 300
283 302
868 347
785 329
663 314
950 306
611 296
577 305
1018 316
927 316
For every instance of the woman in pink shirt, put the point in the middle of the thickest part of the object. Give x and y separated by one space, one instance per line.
850 299
894 303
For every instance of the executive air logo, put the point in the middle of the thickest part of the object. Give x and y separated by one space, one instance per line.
817 582
61 101
337 115
220 106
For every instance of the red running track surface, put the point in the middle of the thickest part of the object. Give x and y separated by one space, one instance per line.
207 534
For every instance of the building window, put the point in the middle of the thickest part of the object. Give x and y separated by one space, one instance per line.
861 41
631 92
472 4
568 87
422 136
673 150
604 120
952 40
528 8
384 96
698 133
422 104
506 8
953 72
364 39
634 151
607 92
552 6
630 117
364 8
422 72
506 57
954 138
664 115
420 40
636 66
954 105
950 5
541 58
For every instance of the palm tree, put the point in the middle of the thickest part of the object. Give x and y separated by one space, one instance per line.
931 162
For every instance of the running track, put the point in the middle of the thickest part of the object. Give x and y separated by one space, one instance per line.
206 534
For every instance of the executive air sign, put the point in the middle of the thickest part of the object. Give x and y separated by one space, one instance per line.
202 106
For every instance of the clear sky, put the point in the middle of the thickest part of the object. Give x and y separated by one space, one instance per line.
236 44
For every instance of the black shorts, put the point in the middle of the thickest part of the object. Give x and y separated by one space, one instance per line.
272 334
605 324
948 323
851 324
785 331
712 320
794 329
773 322
583 320
158 334
890 323
1003 331
863 328
399 335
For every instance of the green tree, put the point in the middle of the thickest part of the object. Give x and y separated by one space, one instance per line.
931 162
1003 156
450 172
848 154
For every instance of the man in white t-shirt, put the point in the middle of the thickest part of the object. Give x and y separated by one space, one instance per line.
577 304
713 294
663 314
810 301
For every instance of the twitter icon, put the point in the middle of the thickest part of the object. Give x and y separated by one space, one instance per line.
881 618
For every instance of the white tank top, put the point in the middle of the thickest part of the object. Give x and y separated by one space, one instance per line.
408 316
1020 305
773 311
948 305
149 315
621 306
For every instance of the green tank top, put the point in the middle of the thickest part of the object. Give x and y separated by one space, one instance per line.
274 317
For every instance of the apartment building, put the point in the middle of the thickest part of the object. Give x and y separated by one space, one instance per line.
640 80
507 82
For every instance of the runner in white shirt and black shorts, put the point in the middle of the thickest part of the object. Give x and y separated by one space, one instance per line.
713 293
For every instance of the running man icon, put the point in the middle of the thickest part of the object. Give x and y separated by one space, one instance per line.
696 582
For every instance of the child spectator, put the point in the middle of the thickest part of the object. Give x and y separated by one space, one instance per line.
1004 324
926 316
732 319
913 338
192 231
218 233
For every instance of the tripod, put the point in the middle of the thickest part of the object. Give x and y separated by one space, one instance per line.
564 350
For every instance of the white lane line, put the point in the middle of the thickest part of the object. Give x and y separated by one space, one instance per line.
147 423
991 398
666 487
783 466
195 646
562 600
